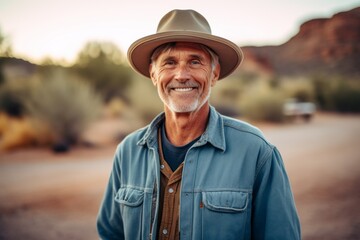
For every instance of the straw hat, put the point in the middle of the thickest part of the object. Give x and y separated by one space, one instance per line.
184 26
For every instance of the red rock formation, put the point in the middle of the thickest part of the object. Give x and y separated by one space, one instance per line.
322 45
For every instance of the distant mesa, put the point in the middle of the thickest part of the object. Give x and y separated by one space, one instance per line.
327 45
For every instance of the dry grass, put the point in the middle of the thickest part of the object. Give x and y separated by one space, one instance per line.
21 132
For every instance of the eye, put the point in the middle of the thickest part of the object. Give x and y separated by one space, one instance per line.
195 62
169 62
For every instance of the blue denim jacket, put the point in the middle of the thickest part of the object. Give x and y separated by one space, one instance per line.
234 186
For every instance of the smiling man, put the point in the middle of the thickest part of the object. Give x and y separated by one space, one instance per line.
184 74
193 173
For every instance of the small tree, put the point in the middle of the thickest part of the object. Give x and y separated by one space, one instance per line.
102 63
66 105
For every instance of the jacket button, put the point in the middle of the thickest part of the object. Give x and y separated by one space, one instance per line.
165 231
162 166
171 190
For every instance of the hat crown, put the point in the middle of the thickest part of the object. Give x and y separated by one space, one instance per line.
184 26
183 20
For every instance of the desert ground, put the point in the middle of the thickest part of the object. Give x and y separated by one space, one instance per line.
56 196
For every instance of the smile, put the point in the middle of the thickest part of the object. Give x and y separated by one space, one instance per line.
188 89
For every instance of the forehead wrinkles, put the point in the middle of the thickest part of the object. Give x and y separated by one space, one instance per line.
186 53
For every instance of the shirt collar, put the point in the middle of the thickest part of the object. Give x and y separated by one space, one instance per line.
214 133
150 136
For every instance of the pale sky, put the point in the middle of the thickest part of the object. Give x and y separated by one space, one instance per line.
60 28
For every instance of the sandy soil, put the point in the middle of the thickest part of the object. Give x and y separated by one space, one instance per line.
47 196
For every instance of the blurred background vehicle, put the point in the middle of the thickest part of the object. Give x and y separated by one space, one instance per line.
293 109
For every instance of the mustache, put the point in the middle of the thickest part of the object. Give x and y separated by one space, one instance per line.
187 84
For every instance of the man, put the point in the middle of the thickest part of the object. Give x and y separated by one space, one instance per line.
193 173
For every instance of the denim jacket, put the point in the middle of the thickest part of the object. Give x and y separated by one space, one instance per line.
234 186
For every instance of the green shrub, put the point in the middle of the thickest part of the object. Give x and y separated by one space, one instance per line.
101 63
9 100
12 94
144 98
225 96
263 103
321 91
298 88
338 93
66 104
346 98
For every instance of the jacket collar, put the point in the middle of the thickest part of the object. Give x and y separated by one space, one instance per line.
150 136
214 133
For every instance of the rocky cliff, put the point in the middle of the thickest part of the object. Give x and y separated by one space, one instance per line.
330 45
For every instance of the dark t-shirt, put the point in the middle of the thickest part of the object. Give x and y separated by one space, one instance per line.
174 155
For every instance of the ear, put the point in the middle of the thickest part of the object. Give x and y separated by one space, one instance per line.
215 74
152 74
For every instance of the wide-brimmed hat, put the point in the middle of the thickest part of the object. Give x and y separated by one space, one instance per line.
184 26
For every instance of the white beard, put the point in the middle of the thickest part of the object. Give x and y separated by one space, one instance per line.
183 108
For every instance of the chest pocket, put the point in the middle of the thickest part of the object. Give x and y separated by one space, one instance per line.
225 201
129 197
224 214
131 210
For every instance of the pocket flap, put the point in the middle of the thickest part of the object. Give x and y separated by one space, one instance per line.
129 196
225 201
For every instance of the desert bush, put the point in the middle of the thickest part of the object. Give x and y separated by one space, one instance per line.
11 95
102 64
345 97
300 89
144 98
116 107
261 102
66 104
337 93
321 91
225 96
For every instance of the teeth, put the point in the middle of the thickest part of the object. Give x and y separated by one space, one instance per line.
182 89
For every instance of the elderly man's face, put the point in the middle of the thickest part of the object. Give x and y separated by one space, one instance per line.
184 76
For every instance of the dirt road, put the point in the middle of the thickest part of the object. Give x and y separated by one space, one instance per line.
46 196
323 162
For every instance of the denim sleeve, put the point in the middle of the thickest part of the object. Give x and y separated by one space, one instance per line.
109 220
274 211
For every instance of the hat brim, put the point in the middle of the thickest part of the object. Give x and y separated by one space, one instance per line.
139 53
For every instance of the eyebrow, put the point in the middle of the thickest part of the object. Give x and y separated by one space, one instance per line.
197 56
169 58
192 56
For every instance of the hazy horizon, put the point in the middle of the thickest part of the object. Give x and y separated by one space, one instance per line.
39 29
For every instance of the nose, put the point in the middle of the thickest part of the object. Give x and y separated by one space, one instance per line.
182 73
